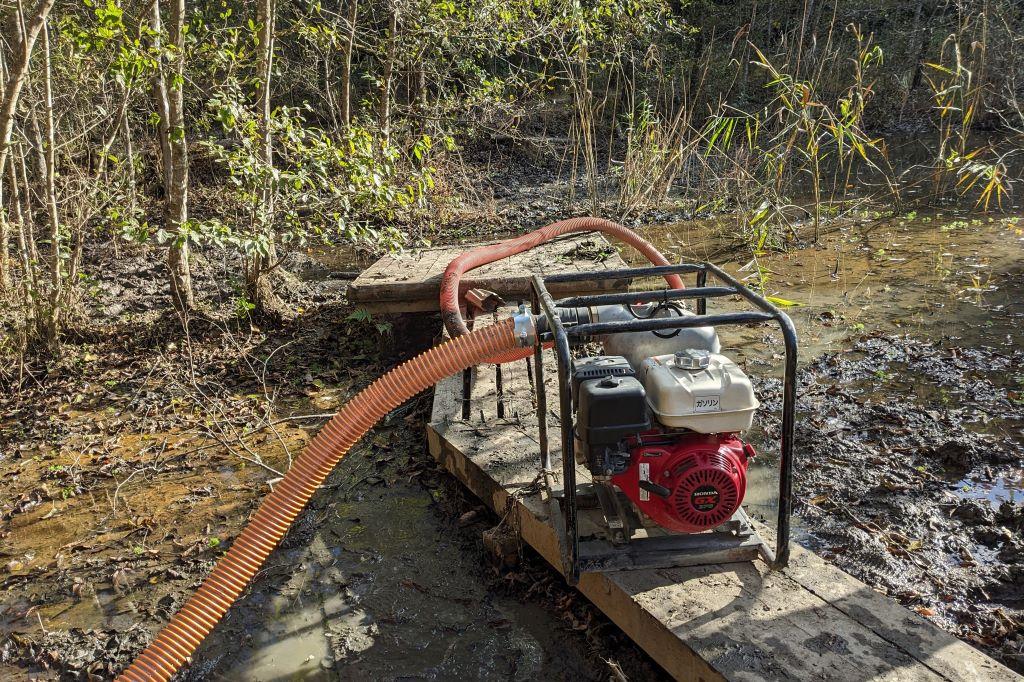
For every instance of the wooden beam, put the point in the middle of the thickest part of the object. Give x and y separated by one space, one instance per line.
411 281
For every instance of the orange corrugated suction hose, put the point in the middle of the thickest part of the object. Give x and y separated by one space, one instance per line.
176 643
450 311
514 355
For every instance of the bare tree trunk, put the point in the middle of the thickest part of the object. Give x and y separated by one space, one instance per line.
332 103
26 205
170 103
160 99
46 150
28 279
346 69
388 74
26 33
265 15
29 286
48 175
6 281
5 253
177 194
260 289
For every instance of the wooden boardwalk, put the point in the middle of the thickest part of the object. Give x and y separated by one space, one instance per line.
410 282
731 621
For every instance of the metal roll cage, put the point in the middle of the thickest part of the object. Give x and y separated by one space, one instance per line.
563 335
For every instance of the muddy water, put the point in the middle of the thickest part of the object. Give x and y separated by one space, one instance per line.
385 581
934 276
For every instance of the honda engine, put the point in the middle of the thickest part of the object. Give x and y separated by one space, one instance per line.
666 432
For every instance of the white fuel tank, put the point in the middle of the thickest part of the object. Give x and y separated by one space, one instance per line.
699 390
636 346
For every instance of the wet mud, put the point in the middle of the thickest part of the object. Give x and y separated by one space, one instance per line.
920 499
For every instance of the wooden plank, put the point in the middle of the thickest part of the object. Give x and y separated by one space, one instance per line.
447 406
891 621
410 281
736 621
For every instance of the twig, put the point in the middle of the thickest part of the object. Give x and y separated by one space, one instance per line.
117 490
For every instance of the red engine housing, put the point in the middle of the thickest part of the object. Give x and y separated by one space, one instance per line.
696 482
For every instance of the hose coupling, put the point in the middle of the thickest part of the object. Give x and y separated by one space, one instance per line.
525 328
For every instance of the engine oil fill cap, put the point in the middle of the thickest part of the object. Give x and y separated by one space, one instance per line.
693 358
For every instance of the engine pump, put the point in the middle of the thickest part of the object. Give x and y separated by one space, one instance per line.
666 434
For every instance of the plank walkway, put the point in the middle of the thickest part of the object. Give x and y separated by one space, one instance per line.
721 622
410 282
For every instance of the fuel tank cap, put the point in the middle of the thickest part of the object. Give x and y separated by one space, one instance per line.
693 358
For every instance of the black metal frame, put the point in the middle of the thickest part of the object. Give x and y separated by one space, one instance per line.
561 335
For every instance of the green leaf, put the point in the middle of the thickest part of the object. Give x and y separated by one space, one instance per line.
784 302
360 315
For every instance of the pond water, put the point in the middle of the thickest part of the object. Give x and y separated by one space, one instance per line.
938 276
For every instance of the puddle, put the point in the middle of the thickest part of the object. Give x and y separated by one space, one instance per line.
386 590
1008 488
934 276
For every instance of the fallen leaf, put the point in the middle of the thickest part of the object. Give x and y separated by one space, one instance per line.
784 302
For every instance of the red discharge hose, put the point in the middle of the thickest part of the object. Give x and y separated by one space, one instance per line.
176 643
483 255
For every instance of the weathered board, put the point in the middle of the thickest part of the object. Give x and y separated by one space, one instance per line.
411 281
740 621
